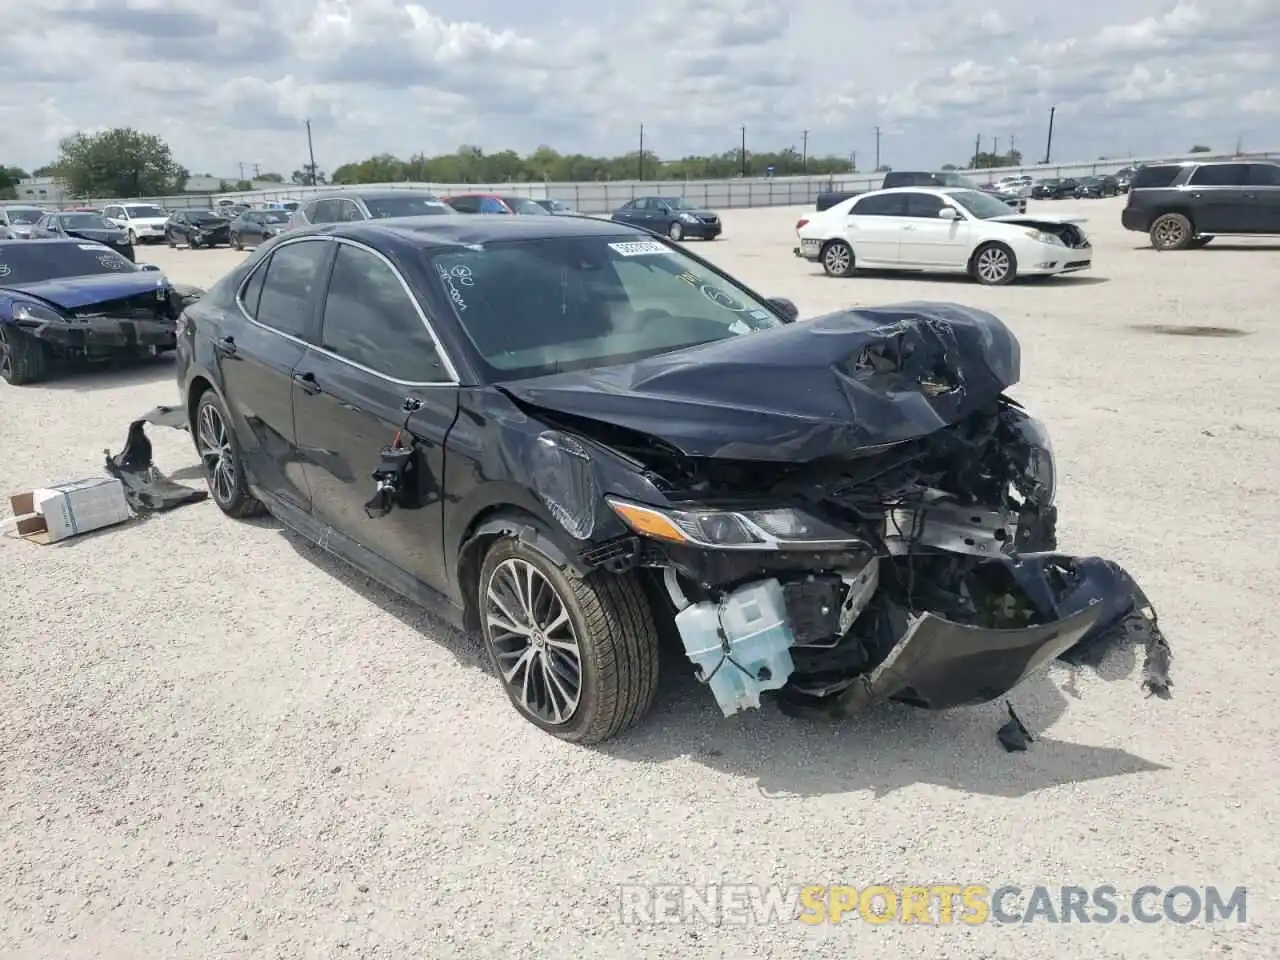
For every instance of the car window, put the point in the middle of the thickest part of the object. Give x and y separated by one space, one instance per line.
881 205
326 211
37 262
492 205
289 287
408 205
1221 175
525 206
348 212
1264 175
1155 176
465 204
309 211
252 290
645 204
537 307
369 319
923 205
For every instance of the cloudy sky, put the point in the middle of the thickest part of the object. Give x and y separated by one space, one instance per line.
230 81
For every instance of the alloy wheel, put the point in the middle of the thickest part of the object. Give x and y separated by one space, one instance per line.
213 443
837 258
1169 233
993 264
6 356
534 641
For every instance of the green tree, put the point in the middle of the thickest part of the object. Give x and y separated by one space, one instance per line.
273 177
308 174
990 161
1199 148
10 177
116 163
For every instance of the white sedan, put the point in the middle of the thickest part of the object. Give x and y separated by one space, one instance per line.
942 230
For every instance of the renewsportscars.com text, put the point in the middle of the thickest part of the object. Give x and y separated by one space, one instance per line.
931 904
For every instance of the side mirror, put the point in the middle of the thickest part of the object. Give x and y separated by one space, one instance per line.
948 213
785 307
149 267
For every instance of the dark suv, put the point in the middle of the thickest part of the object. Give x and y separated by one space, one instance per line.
1185 205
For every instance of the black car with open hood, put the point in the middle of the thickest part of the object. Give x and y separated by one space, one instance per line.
573 437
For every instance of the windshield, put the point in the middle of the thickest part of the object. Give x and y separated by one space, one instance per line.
204 216
24 214
521 205
981 205
543 306
958 180
86 221
406 206
677 203
144 211
34 262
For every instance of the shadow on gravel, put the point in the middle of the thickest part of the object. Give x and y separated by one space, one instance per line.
1216 246
887 748
960 279
466 650
119 373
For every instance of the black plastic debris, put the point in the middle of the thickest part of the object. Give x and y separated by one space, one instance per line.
146 489
1014 735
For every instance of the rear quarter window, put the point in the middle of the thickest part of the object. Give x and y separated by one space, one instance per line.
1154 176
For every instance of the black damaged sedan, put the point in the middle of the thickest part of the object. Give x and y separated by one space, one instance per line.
573 437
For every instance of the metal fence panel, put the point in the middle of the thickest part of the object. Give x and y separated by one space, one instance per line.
604 196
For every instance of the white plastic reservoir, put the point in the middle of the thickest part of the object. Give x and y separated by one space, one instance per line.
754 652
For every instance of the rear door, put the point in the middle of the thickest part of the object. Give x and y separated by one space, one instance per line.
874 227
256 362
1219 203
1264 184
927 239
376 371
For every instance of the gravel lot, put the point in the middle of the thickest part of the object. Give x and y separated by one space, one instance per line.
218 742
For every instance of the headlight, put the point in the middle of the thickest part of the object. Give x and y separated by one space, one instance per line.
1041 237
37 313
688 218
715 529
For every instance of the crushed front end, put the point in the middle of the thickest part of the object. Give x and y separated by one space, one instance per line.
922 569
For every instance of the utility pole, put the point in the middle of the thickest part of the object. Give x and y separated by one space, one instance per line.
311 153
853 161
877 148
1048 147
995 146
804 150
744 151
1013 146
640 171
257 170
241 169
977 150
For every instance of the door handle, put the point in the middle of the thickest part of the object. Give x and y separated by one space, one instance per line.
226 346
307 383
908 228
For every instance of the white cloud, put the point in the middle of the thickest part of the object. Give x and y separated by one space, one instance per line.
232 82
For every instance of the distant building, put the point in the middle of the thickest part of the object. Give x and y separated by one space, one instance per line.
41 190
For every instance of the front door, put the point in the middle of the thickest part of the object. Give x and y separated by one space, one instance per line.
256 361
930 241
376 376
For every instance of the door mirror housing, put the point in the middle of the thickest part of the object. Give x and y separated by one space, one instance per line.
786 308
150 267
948 213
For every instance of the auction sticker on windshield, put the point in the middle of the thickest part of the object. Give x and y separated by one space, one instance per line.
638 248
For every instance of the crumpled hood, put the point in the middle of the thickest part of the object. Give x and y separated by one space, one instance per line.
829 386
72 292
1035 219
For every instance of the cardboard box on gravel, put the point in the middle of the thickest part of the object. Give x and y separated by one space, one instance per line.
66 510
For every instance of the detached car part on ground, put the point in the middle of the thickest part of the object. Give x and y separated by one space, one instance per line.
942 230
885 533
76 301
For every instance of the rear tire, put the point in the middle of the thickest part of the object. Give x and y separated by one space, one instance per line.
222 459
23 358
1172 231
837 259
993 265
605 617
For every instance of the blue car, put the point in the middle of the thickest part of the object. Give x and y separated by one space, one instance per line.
67 301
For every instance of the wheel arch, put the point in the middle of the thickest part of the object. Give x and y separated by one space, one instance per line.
1181 209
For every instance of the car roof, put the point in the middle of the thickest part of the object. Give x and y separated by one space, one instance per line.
460 230
940 191
372 194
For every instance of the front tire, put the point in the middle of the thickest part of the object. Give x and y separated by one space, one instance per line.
675 231
837 259
23 358
133 238
577 657
1172 231
221 458
994 265
234 240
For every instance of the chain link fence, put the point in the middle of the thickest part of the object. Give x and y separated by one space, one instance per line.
604 196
